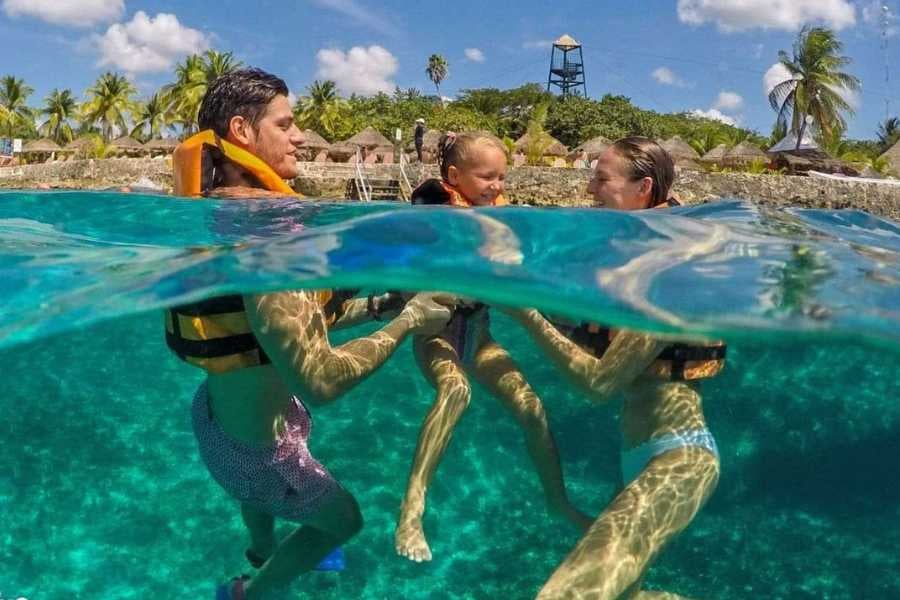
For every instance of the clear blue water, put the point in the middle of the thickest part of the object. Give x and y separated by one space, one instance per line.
103 495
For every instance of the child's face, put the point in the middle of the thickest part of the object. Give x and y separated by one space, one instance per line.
481 180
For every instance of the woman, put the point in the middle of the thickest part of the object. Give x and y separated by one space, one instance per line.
670 463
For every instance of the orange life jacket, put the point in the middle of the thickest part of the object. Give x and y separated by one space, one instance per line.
438 191
194 163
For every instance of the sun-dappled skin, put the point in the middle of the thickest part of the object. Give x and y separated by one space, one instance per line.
495 370
611 559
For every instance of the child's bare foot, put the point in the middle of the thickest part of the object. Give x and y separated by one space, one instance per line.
409 537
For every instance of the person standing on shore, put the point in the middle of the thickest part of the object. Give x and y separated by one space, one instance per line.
420 137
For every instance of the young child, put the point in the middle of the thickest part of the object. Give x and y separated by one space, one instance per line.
473 169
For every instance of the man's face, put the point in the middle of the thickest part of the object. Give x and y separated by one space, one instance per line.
276 137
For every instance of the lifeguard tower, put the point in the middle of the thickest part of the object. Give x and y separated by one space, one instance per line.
567 68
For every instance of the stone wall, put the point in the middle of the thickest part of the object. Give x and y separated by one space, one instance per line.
539 186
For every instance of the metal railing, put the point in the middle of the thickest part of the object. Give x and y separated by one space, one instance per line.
405 186
362 186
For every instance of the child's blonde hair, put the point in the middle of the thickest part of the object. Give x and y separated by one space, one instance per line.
455 150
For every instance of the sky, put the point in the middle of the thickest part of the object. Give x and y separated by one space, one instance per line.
712 56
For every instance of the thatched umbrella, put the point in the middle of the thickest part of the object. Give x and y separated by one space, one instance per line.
370 138
128 145
342 151
593 147
893 158
745 153
716 155
161 144
311 139
555 147
41 146
680 150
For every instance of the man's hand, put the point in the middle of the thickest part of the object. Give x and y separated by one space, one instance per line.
429 313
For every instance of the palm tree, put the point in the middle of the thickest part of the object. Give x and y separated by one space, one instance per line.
888 133
150 118
59 107
437 71
321 110
192 78
108 103
13 98
815 85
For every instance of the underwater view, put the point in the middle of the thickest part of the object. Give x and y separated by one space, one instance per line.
104 493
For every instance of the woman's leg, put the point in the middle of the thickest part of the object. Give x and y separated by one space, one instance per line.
440 364
336 522
630 533
498 373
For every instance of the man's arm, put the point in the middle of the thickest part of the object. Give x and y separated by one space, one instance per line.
291 328
628 356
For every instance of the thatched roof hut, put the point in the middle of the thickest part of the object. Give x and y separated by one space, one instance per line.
41 146
342 151
893 158
370 138
311 139
554 148
593 147
745 153
716 155
128 145
680 150
161 144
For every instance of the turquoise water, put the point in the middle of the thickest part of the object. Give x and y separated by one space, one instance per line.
103 495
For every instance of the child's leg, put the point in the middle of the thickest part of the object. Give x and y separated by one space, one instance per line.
627 537
440 364
261 527
337 521
495 370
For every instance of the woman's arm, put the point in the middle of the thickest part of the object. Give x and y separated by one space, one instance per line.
628 356
291 328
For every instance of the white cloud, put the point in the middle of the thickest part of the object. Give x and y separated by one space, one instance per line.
665 76
359 70
359 14
776 74
475 55
77 13
715 115
728 101
788 15
148 44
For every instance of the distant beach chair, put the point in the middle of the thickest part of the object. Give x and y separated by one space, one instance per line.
594 163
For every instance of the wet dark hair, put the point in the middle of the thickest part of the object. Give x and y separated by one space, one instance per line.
455 149
646 158
244 92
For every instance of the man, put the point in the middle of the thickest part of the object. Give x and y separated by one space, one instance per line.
263 352
420 137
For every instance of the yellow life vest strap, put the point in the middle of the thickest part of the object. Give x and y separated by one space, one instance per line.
190 174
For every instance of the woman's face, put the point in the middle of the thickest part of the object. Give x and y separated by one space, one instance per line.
612 188
482 180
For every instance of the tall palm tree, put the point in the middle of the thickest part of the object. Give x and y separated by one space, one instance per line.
59 107
321 109
888 133
150 118
437 71
109 104
14 100
192 78
815 84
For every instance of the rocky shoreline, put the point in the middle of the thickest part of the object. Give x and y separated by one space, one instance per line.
533 185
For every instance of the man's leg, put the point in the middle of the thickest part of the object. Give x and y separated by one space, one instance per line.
261 527
498 373
440 364
337 521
